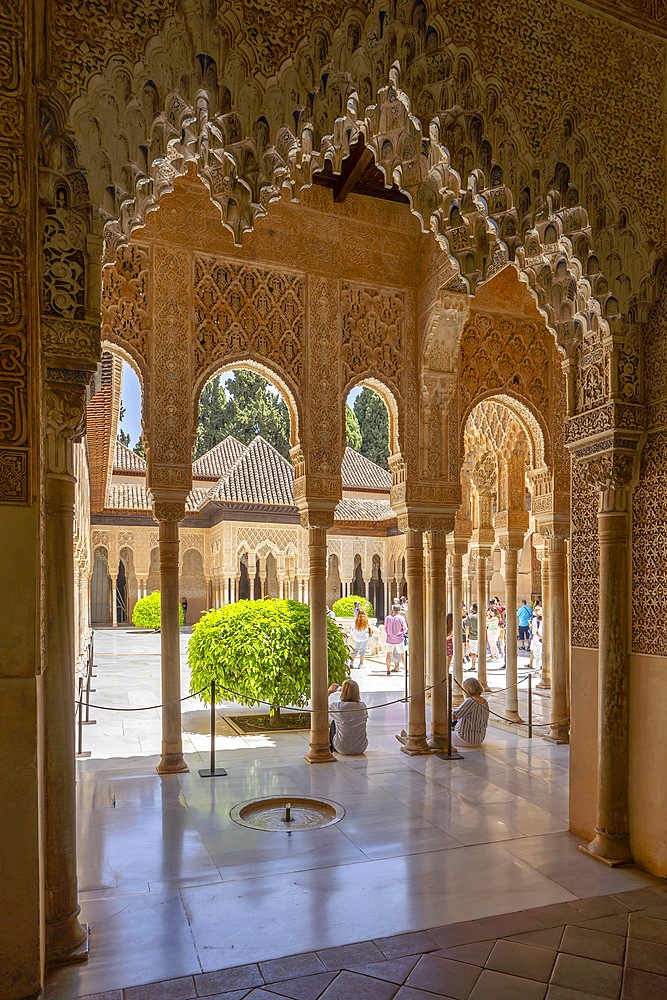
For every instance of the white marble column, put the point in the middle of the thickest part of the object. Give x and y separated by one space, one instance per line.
481 556
319 752
414 571
114 605
560 710
545 680
436 626
457 629
613 475
511 652
168 514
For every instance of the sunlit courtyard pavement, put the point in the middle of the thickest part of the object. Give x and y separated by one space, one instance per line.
172 888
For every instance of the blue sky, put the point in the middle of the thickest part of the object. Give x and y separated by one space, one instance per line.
131 396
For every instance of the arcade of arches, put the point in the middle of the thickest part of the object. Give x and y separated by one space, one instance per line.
390 193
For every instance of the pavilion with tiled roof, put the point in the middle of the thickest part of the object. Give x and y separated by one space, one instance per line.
241 535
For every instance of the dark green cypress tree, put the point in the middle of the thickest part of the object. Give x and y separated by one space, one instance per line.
373 419
243 406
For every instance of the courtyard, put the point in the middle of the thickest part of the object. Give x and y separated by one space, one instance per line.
173 889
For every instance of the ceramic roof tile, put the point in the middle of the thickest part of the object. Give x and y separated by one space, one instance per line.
260 475
353 509
219 460
360 473
127 496
125 461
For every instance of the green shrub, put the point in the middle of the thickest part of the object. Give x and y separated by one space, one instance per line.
146 612
344 607
260 651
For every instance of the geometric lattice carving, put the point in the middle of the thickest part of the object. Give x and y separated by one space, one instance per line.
585 560
373 334
649 550
246 310
505 354
125 299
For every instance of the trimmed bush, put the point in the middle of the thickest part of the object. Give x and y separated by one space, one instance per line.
344 607
146 612
260 651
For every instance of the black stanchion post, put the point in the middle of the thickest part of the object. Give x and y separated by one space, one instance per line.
92 655
88 721
530 706
405 653
450 753
212 771
80 752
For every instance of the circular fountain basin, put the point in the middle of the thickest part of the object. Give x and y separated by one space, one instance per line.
271 813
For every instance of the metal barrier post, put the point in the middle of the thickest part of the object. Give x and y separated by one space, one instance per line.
80 751
211 771
88 721
530 706
450 754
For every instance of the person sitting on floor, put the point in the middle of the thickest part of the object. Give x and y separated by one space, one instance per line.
472 717
347 732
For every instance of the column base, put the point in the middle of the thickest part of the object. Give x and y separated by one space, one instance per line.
172 763
414 745
544 685
558 734
611 849
320 755
512 716
438 741
63 952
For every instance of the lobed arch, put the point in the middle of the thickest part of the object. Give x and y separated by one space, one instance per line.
388 397
279 380
247 145
531 422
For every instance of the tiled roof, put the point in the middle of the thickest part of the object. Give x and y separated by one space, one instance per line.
126 496
351 509
260 475
125 461
360 473
219 460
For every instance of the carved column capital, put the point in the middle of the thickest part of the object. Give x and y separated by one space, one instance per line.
614 474
316 512
65 398
168 506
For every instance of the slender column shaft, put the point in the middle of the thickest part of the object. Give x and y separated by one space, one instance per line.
457 619
611 842
64 933
114 605
171 759
545 681
319 752
558 641
436 623
511 652
429 621
481 618
414 569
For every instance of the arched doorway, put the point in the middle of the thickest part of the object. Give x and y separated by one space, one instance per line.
100 590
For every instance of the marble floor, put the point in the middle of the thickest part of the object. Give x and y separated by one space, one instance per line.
172 888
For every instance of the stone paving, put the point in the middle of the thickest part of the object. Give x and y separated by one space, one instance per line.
176 894
612 946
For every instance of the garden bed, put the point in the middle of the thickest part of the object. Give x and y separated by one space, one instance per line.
246 725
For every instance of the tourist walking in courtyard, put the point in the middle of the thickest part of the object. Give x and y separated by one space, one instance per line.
524 613
493 631
360 634
536 639
184 605
395 631
472 635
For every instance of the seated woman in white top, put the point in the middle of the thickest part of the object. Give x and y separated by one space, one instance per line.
472 717
350 715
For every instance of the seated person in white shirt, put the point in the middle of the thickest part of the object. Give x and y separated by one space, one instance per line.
471 717
349 718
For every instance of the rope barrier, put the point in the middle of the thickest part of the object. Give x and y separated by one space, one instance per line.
536 725
149 708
